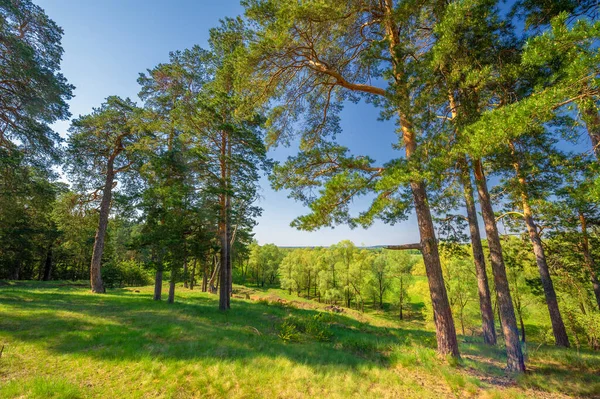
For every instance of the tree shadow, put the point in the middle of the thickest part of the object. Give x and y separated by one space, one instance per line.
124 325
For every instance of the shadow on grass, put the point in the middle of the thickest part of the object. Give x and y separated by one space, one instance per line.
123 325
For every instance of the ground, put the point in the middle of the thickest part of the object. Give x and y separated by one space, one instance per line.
60 341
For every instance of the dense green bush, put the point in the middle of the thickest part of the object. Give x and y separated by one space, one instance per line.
125 273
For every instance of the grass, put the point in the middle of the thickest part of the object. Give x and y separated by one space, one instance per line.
63 342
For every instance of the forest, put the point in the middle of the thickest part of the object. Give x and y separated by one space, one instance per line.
496 107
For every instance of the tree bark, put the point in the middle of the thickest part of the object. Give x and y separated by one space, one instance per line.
485 299
158 280
185 273
444 323
193 275
48 264
447 342
171 298
514 353
588 260
96 265
204 276
558 326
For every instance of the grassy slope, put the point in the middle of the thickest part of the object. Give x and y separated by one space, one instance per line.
62 342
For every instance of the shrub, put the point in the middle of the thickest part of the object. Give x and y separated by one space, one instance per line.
126 273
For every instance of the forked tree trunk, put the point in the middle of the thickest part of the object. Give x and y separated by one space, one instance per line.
485 299
158 281
588 260
96 265
514 353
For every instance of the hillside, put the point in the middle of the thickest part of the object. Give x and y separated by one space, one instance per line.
60 341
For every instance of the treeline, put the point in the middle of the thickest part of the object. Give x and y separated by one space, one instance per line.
476 92
166 186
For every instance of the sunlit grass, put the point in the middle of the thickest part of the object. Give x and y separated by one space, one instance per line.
63 342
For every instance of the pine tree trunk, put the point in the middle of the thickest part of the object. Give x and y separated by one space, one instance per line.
223 277
444 323
158 280
96 265
589 261
515 360
558 326
204 276
228 224
485 299
193 275
48 264
171 298
185 273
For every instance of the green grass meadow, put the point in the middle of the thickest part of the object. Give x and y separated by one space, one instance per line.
60 341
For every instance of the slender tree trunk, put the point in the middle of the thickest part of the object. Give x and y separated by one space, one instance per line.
485 299
96 265
185 273
588 260
228 224
48 264
558 326
515 360
158 281
223 275
172 281
522 327
204 276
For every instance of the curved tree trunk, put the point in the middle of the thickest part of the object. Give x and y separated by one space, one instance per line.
514 353
96 265
485 299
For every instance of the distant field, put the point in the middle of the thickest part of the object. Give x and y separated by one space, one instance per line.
62 342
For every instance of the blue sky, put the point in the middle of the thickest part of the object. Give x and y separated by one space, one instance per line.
108 43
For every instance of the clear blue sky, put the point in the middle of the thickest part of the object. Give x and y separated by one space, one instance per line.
108 42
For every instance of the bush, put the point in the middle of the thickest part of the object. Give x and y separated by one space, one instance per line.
125 273
288 332
293 327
